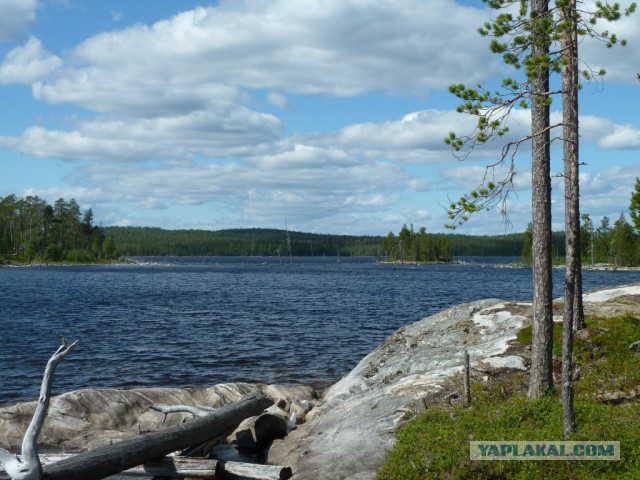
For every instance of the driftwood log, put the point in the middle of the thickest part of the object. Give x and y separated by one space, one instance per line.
29 467
112 459
254 471
189 467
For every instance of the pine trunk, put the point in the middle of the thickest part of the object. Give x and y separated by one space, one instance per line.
541 379
572 285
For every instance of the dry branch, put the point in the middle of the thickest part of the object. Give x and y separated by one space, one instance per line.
30 468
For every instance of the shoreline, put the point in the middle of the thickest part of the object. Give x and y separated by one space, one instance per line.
419 364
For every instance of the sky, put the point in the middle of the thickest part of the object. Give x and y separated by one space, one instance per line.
325 115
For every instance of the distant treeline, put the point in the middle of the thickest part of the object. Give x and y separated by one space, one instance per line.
33 230
509 245
617 245
145 241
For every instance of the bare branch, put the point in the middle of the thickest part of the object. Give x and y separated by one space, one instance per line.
30 467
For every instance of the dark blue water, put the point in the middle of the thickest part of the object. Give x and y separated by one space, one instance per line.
201 321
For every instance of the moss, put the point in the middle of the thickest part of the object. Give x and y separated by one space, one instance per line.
436 444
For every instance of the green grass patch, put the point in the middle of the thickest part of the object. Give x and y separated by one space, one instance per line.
436 444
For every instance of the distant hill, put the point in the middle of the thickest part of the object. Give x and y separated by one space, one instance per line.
147 241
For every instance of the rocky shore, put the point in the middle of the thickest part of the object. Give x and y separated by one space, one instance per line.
347 432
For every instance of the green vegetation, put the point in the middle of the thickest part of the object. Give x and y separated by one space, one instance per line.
420 246
618 245
144 241
436 444
32 230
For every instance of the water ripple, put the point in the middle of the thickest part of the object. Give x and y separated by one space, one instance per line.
201 321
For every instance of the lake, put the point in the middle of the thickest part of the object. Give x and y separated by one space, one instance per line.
201 321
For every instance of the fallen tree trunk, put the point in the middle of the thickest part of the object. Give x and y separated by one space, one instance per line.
190 467
171 467
254 471
106 461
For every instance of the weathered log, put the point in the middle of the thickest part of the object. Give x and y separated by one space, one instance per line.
189 467
109 460
30 468
254 471
172 467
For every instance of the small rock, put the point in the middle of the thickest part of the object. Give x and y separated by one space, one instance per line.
255 433
300 408
226 453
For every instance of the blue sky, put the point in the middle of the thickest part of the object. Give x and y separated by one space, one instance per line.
329 114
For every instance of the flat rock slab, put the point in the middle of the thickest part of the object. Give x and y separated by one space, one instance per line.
90 418
349 435
351 432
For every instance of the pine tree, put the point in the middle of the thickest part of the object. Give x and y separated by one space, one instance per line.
634 207
528 40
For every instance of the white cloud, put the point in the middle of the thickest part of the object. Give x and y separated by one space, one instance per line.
392 46
15 16
278 100
28 63
311 183
618 61
608 192
238 131
419 137
177 118
624 137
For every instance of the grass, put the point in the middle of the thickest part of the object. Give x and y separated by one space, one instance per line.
436 444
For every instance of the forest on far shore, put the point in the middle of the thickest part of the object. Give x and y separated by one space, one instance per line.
148 241
31 230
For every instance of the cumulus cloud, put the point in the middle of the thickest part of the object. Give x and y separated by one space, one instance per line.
174 110
15 16
397 47
237 132
323 185
28 63
277 100
624 137
418 137
617 60
608 192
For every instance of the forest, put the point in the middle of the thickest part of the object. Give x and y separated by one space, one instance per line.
617 244
412 246
146 241
31 230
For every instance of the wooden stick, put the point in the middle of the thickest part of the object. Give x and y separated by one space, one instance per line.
467 387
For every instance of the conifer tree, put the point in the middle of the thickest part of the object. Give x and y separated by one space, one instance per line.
634 207
524 40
